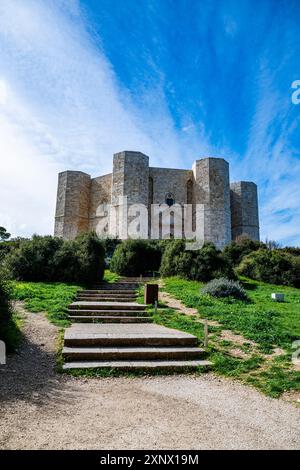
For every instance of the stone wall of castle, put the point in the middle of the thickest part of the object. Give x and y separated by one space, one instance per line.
85 203
244 210
72 204
100 198
211 188
169 180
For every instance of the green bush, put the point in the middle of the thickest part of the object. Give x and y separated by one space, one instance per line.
135 257
236 250
8 246
33 260
209 263
225 288
9 332
80 261
273 266
292 250
176 261
52 259
199 265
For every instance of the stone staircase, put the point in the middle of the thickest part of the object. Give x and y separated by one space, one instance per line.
111 330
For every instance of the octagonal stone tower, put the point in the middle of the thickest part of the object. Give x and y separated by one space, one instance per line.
72 204
85 203
130 177
244 210
211 188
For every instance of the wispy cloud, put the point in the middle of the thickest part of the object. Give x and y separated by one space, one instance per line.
175 80
61 107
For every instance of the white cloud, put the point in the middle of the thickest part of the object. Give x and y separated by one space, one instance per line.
61 107
3 92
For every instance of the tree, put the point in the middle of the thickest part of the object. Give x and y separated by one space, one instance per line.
4 235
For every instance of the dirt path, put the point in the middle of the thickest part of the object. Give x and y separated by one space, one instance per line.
44 410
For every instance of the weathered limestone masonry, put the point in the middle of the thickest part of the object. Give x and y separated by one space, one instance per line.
244 210
85 203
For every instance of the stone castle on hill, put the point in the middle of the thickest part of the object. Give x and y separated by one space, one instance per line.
85 203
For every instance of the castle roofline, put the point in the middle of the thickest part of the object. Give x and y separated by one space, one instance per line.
243 182
74 172
211 158
169 169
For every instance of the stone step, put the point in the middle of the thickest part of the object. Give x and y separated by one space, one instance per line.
121 354
117 294
109 291
105 299
106 293
129 335
93 305
109 319
118 313
117 285
179 366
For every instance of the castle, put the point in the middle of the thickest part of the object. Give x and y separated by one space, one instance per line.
85 203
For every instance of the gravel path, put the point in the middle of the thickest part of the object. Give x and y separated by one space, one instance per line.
44 410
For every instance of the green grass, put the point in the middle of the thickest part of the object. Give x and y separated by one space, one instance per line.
272 378
261 320
267 323
140 372
111 277
275 379
52 298
233 366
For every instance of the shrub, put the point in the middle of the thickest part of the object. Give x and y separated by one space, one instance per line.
209 263
135 257
52 259
236 250
9 332
201 265
176 261
33 260
273 266
225 288
80 260
109 245
4 235
8 246
292 250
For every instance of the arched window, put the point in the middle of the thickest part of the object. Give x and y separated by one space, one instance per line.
169 199
189 192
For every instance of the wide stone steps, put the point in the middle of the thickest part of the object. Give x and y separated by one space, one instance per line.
108 291
109 319
117 286
135 354
108 311
164 366
131 335
94 305
118 313
110 330
113 297
105 299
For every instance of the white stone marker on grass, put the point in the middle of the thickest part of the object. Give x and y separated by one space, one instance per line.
277 297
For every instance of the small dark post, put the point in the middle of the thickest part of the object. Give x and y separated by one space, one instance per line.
151 294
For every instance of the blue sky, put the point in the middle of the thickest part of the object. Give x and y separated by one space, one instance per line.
175 79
